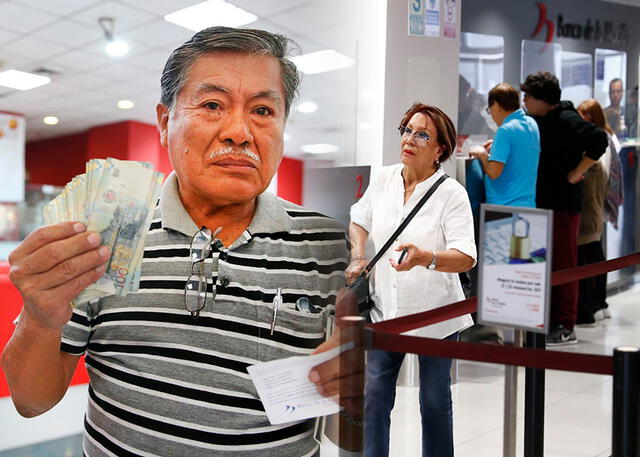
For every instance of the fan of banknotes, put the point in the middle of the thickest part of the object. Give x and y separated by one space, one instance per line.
114 198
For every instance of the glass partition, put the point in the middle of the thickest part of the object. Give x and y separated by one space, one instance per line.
540 56
481 68
576 76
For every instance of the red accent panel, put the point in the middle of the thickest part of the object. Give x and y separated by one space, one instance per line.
109 140
290 180
56 160
11 306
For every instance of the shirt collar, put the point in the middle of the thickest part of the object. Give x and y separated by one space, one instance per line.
172 212
516 114
270 215
430 180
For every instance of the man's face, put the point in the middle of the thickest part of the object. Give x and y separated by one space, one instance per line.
224 133
534 106
615 93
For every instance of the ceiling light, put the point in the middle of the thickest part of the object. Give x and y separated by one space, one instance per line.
320 148
21 80
50 120
321 61
307 107
115 47
125 104
210 13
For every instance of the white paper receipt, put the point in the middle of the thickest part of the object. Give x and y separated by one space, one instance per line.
285 390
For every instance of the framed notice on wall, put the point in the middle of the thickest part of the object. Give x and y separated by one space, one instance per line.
514 267
12 140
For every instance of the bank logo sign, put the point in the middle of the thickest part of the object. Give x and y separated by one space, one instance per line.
592 30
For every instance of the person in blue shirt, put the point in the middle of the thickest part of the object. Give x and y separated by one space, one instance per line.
510 160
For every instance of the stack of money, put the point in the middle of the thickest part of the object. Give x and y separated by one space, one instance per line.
114 198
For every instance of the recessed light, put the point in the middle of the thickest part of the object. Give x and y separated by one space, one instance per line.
210 13
307 107
117 48
321 61
21 80
125 104
320 148
50 120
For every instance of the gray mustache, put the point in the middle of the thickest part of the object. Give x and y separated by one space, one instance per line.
236 151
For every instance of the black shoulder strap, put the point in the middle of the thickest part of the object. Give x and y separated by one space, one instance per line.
406 221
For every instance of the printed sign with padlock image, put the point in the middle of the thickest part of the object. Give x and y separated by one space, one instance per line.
520 248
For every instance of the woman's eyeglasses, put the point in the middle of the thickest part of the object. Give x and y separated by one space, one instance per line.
420 138
196 288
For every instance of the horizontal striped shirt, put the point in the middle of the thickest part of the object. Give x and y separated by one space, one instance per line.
165 384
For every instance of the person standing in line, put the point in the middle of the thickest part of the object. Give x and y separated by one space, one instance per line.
615 111
569 146
440 244
510 160
602 197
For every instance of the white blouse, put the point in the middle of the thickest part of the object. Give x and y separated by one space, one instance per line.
444 222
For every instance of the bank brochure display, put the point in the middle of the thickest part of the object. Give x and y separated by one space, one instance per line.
515 267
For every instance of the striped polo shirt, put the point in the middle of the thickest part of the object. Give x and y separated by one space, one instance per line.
163 383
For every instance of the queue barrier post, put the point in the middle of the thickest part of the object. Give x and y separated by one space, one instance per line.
534 402
512 337
626 402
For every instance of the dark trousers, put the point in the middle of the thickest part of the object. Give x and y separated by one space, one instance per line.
593 291
564 298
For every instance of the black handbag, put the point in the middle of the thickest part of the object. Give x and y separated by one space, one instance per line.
360 287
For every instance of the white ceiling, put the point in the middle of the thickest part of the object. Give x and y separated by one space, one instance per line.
64 35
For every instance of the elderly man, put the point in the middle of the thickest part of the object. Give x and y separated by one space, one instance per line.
167 370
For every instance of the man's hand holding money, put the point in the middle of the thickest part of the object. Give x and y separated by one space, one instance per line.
52 266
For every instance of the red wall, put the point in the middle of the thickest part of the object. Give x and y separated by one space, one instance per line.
290 180
57 160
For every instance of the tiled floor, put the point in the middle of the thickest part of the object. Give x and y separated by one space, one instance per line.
578 406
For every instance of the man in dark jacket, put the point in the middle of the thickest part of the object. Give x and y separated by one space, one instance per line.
568 147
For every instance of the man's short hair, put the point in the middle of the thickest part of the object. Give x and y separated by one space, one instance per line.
544 86
613 81
506 96
212 39
446 132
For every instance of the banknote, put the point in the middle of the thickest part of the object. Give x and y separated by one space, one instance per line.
116 199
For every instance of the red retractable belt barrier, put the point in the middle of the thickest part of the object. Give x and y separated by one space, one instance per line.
386 335
489 353
418 320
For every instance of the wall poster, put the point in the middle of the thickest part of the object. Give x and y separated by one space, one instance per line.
12 141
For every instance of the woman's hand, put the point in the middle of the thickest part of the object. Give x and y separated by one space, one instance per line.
415 257
355 268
